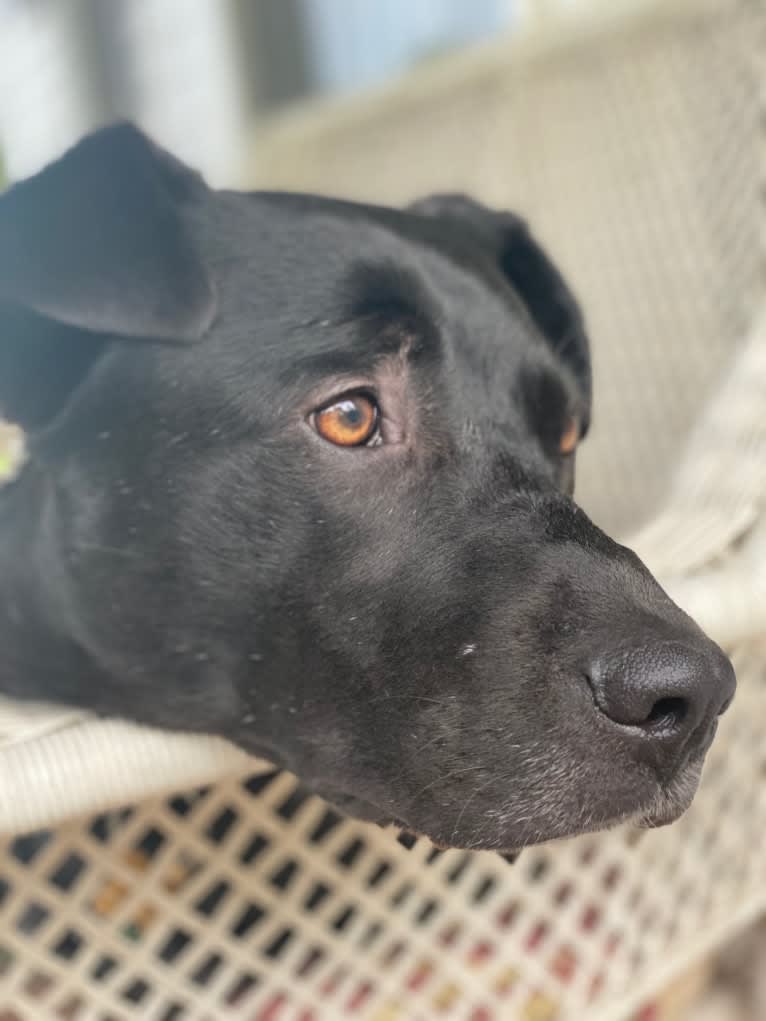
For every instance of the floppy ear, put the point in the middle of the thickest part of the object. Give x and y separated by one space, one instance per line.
508 242
97 241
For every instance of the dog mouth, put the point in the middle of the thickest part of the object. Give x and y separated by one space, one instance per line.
669 801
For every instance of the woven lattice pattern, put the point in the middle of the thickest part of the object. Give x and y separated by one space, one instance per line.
253 900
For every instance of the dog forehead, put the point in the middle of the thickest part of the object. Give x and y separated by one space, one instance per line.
289 268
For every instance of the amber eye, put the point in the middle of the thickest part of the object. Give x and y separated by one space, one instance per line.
349 422
569 436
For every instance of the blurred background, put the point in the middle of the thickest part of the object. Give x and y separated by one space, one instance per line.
202 75
631 134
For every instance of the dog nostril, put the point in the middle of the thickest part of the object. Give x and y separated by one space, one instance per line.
669 712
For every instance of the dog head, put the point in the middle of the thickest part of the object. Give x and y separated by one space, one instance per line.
300 474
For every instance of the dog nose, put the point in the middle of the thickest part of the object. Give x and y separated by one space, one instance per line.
667 689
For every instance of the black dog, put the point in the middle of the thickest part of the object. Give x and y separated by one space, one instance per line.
300 474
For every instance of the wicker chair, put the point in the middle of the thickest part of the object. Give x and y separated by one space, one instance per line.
632 143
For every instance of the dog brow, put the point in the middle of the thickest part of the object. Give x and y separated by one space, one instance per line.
383 311
393 309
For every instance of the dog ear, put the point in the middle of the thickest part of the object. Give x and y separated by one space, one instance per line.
530 272
97 241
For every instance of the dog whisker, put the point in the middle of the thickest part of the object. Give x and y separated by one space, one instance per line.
113 551
421 748
443 778
412 698
470 798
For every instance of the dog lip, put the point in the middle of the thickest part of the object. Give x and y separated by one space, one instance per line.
656 819
674 799
709 738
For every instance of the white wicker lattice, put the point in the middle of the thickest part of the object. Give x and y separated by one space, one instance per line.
633 146
249 900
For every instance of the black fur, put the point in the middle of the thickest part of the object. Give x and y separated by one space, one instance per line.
426 629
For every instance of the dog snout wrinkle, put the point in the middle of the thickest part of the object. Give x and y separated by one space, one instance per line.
671 692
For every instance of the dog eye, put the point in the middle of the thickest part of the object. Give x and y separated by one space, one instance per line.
351 421
569 437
